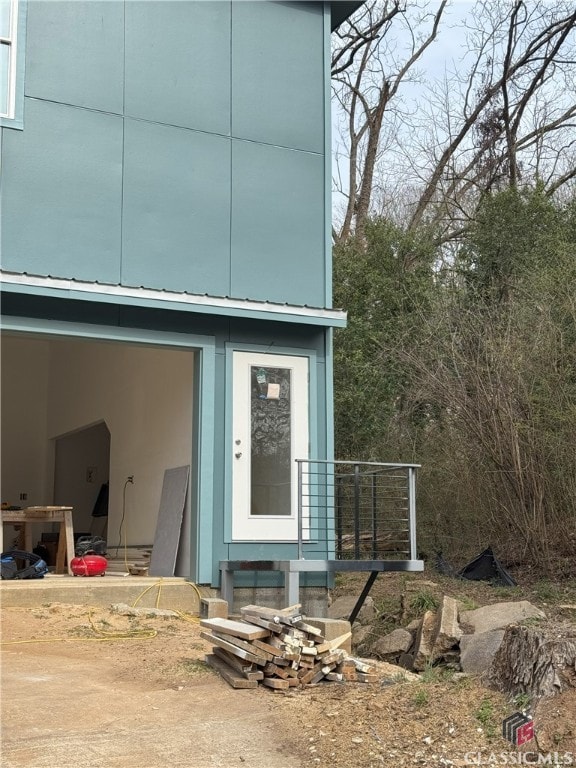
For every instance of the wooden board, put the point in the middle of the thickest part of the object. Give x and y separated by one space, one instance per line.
284 616
291 609
270 625
330 645
311 630
337 655
170 516
267 647
307 675
244 645
274 682
271 669
236 628
231 648
246 669
231 676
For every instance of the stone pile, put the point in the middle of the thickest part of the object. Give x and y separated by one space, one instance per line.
465 640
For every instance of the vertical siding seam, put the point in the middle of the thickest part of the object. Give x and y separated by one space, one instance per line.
230 292
122 165
327 157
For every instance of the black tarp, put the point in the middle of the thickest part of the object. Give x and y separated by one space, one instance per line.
484 567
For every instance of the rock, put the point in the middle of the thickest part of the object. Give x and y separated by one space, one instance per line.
424 641
406 661
477 651
396 642
414 626
360 634
447 631
342 607
500 615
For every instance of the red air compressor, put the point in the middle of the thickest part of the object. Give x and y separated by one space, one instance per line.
89 565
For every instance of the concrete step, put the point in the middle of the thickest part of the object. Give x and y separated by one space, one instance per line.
147 591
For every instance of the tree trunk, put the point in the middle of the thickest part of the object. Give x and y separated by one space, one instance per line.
534 660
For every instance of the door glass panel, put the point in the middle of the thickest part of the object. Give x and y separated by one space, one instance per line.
4 77
271 440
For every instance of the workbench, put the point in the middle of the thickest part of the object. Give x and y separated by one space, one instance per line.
30 515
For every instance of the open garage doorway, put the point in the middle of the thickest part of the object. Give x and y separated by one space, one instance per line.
63 395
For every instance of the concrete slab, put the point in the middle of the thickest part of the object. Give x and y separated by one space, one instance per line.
146 591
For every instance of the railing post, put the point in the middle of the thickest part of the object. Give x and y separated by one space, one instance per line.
357 511
374 520
412 511
300 508
339 515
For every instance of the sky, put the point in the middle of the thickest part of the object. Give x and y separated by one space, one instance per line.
447 53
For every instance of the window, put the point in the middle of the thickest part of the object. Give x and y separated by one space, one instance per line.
8 41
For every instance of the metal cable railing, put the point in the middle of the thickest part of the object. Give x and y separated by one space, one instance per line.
356 510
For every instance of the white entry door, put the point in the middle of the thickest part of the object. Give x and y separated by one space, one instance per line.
270 430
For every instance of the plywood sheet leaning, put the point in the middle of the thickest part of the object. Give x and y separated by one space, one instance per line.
170 515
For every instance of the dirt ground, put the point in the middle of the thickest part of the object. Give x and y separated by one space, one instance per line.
86 686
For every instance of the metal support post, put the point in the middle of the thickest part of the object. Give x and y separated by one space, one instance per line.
227 586
300 507
412 511
291 587
363 596
356 511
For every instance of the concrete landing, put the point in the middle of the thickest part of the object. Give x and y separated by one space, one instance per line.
149 591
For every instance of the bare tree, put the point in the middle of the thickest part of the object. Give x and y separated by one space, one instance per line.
367 77
505 114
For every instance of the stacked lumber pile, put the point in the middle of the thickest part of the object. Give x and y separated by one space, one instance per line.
278 649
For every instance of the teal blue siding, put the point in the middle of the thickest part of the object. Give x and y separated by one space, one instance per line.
174 145
277 223
211 519
61 193
221 450
178 63
75 53
176 227
203 467
278 73
181 146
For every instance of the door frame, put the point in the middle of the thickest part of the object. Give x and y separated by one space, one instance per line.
275 351
202 471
